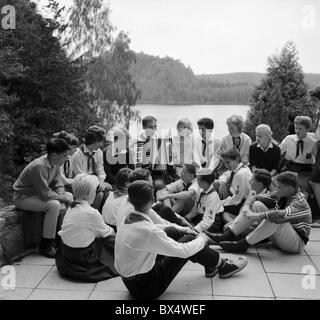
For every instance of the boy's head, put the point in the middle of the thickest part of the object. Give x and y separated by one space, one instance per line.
184 127
235 125
205 127
287 184
263 134
94 137
84 187
122 178
140 174
149 125
57 151
302 125
231 158
205 178
188 172
72 140
141 195
261 180
315 96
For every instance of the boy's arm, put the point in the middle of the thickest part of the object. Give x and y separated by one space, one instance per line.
241 183
99 166
290 213
182 195
213 206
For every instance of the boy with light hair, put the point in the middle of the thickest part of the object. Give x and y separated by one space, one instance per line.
300 152
86 251
264 153
315 177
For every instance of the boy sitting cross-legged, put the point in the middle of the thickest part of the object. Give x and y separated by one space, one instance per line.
234 185
241 225
208 203
148 257
183 192
287 226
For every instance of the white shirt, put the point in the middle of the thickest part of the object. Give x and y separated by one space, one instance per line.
159 157
79 163
240 186
187 148
126 208
111 208
289 146
178 186
212 155
227 143
138 244
208 205
81 225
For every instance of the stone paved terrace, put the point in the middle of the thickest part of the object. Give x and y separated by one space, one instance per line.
269 275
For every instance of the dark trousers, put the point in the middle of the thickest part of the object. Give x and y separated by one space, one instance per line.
216 226
234 209
152 284
167 213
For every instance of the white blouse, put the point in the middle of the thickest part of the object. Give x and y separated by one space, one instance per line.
111 208
81 225
227 143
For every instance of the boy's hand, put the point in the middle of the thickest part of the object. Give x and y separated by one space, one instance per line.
66 198
191 231
251 215
223 190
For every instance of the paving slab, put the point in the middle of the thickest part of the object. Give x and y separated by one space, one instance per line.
292 286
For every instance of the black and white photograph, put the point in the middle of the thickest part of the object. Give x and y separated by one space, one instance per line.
156 150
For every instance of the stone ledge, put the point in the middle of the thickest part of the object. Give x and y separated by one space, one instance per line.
20 231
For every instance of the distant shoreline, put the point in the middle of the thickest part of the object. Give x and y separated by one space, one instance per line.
194 103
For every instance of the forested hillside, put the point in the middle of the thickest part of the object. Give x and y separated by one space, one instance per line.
168 81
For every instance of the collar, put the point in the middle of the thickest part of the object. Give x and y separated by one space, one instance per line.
239 166
263 191
270 145
46 161
146 216
143 136
82 202
86 150
208 190
297 139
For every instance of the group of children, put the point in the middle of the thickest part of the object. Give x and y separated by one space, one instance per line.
143 212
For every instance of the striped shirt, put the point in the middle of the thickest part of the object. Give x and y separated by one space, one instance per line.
296 211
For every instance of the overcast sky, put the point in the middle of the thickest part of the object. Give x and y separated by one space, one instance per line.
220 36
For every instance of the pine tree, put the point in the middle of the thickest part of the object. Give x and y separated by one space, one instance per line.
281 95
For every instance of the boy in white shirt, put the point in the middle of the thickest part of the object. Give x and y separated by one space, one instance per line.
89 159
241 225
300 152
183 192
234 183
207 147
161 216
116 198
236 138
148 258
208 203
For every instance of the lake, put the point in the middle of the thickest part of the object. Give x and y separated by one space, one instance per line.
168 115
